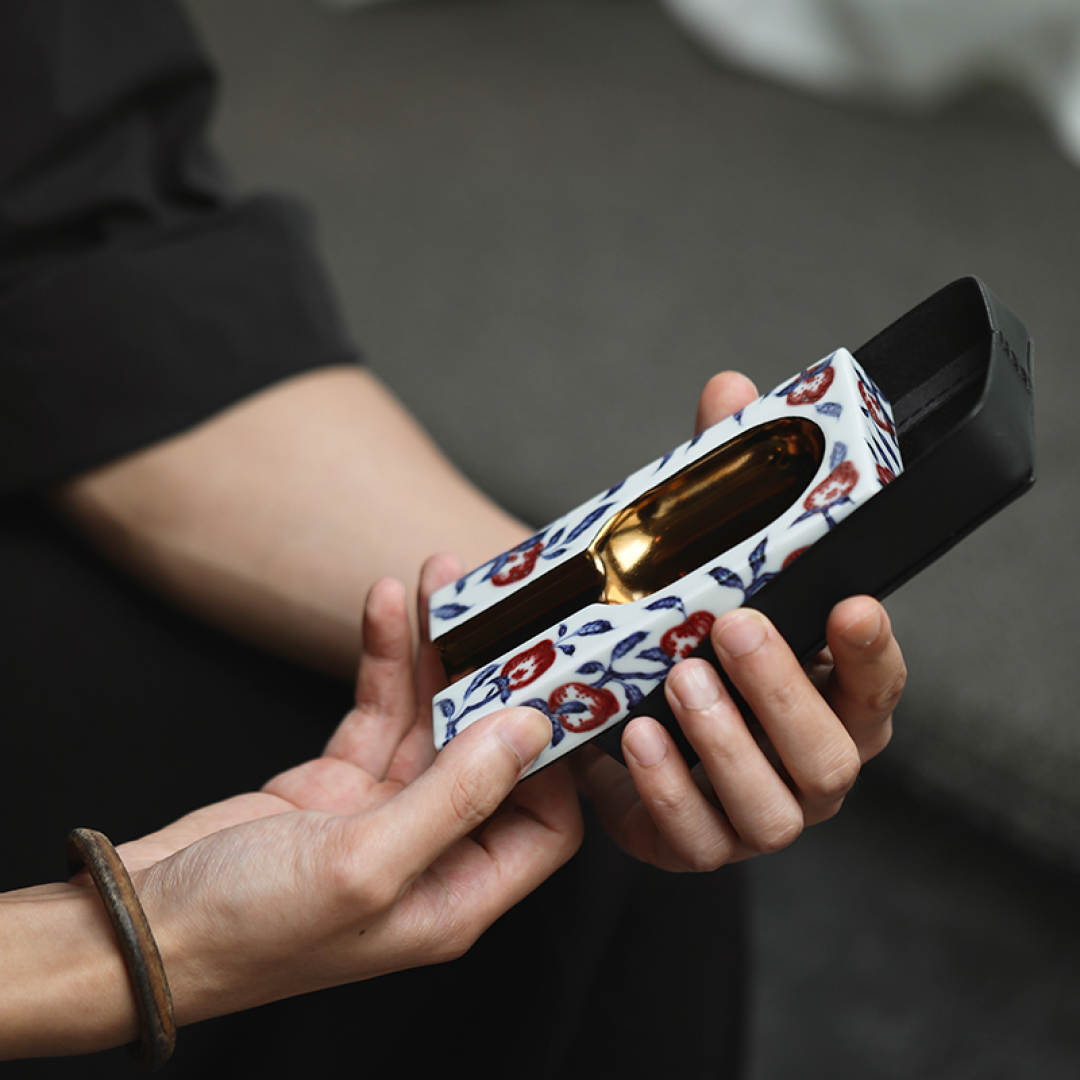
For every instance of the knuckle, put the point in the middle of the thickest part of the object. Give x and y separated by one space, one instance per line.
715 735
470 797
783 698
669 802
362 887
835 781
453 943
781 831
886 699
705 862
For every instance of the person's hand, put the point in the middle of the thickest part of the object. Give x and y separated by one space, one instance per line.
743 799
367 860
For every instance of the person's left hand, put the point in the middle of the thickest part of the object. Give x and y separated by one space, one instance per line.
743 799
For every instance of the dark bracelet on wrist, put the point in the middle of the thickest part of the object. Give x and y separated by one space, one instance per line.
153 1000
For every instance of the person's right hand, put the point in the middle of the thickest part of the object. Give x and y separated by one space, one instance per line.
370 859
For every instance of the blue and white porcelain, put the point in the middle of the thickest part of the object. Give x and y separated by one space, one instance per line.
587 671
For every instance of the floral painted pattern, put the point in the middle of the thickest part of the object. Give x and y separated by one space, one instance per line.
589 671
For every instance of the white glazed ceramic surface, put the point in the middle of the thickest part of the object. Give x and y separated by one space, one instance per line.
586 672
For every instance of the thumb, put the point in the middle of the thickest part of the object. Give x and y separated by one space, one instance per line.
466 785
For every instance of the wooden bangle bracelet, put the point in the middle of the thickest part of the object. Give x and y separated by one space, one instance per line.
153 1000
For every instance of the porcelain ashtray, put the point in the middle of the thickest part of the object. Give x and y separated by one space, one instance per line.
587 616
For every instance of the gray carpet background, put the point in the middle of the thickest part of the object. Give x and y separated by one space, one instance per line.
549 223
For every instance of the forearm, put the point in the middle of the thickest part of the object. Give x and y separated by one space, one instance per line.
275 517
64 988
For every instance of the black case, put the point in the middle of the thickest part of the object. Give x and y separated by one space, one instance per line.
957 370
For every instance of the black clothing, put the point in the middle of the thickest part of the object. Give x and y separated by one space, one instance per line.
138 295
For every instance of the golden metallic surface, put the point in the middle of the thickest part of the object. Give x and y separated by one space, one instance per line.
706 508
673 528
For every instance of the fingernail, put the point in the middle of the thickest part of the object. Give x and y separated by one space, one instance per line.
741 632
863 631
695 685
646 743
526 732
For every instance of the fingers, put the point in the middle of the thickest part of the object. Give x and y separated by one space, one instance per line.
432 868
385 700
465 785
762 810
723 395
538 828
626 815
868 673
480 878
417 750
381 734
436 572
694 830
813 745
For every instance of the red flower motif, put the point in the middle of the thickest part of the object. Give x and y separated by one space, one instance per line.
885 475
680 641
812 387
876 412
528 665
792 557
834 487
519 564
600 706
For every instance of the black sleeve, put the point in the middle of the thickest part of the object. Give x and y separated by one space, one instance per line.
138 294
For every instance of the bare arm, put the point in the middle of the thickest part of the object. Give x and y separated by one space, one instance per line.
274 518
372 858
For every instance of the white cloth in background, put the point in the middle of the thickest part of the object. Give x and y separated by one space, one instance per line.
904 52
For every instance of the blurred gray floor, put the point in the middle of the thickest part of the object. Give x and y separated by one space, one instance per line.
550 222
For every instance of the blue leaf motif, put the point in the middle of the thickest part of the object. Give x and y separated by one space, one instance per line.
737 417
569 650
838 455
725 577
450 611
633 695
481 678
611 490
589 519
446 708
664 460
757 556
655 654
830 408
662 604
496 565
539 704
568 707
758 583
591 668
597 626
628 643
526 544
554 554
562 629
554 538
